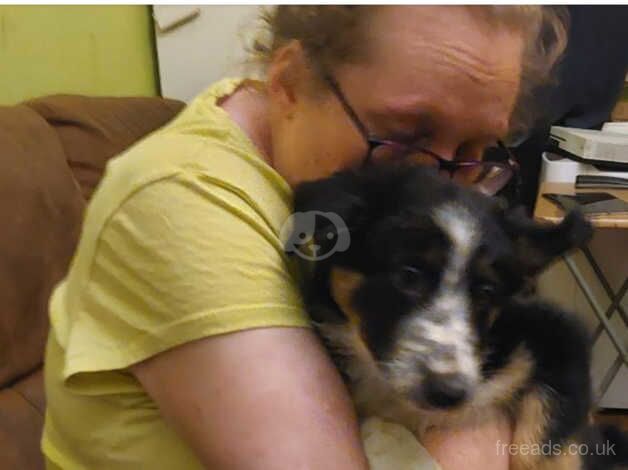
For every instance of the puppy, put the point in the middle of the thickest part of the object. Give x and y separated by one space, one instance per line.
426 314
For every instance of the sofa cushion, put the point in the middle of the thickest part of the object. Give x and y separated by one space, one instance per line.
40 208
94 129
53 151
31 388
21 422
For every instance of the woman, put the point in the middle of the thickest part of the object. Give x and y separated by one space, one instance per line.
178 338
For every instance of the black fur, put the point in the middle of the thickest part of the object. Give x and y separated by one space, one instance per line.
559 344
607 447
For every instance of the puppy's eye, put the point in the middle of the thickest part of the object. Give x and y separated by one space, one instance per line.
484 291
410 275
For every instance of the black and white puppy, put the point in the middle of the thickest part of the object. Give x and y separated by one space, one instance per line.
425 314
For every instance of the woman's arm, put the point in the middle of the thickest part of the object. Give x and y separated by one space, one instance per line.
260 398
484 446
271 398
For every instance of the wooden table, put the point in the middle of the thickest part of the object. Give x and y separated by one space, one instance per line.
547 211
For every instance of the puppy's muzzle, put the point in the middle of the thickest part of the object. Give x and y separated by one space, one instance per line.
443 390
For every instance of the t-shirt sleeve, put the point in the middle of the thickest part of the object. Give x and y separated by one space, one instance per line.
178 261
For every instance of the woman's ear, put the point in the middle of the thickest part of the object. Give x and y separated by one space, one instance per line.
286 76
538 244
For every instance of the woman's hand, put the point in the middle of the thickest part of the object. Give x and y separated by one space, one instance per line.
267 398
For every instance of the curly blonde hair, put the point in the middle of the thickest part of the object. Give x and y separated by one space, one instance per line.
337 34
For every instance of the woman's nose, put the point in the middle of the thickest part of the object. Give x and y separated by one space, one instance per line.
446 151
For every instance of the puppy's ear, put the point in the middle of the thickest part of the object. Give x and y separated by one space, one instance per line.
342 194
337 203
538 244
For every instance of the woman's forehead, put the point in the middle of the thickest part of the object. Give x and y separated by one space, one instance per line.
396 28
434 73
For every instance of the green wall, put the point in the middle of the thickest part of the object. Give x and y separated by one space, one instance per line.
93 50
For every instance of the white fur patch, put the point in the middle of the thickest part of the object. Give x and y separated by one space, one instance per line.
440 340
459 225
442 329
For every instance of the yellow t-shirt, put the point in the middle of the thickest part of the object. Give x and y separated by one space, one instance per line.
180 242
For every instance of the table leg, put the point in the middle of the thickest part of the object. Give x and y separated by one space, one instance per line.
604 317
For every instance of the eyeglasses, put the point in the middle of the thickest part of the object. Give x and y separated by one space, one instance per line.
489 177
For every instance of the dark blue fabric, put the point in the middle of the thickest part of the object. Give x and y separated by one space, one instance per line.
591 76
590 80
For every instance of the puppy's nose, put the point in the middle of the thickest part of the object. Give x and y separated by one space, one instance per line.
445 390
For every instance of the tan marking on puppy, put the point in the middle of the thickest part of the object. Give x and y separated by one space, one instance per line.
344 283
492 316
349 338
501 388
565 461
531 424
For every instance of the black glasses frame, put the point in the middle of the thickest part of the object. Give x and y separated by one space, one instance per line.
450 166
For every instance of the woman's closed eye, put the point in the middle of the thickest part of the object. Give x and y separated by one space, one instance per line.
407 129
420 137
473 151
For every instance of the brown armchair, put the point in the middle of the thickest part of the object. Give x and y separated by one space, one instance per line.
53 151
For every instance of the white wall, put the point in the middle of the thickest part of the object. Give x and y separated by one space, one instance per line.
203 50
